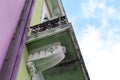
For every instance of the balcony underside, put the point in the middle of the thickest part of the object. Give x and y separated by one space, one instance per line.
63 37
70 68
71 71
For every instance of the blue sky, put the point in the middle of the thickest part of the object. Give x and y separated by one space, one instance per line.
97 27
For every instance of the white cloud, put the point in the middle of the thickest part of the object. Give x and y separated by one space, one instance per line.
100 43
99 9
101 5
103 55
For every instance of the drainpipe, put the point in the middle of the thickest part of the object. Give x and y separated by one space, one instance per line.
14 54
20 51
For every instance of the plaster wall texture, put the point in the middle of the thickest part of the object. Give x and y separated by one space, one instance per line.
10 11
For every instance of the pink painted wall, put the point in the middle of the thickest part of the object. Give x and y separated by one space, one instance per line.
10 11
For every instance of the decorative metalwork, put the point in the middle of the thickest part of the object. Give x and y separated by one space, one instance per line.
49 24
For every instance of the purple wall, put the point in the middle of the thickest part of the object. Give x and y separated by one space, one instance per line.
10 11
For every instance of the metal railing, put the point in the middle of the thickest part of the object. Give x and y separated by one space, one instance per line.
48 25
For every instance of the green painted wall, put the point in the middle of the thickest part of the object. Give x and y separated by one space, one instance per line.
36 17
23 73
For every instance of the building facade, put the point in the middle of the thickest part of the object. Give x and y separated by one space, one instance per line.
51 51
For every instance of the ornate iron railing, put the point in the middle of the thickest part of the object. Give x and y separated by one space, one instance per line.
49 24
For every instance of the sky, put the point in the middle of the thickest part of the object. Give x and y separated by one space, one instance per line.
97 27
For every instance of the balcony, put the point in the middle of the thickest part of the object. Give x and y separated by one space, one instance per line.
55 31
